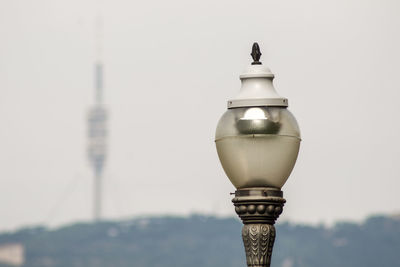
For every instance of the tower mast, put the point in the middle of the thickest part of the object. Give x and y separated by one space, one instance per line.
97 123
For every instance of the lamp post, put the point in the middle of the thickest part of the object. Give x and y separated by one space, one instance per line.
258 141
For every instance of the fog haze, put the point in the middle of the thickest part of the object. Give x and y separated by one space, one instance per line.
170 67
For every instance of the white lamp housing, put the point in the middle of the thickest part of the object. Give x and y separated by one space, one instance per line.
258 138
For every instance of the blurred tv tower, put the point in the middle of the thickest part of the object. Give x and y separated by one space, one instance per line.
97 123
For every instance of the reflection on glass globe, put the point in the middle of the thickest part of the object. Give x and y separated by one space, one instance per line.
258 121
258 146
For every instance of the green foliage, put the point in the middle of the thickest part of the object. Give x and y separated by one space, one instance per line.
200 241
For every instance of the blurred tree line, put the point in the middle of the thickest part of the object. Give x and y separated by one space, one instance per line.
200 241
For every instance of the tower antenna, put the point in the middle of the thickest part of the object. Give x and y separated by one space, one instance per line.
97 121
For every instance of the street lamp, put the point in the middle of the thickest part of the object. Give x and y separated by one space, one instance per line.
258 141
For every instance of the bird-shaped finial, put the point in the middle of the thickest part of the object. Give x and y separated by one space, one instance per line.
256 54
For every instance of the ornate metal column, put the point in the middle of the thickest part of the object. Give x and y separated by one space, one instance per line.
258 208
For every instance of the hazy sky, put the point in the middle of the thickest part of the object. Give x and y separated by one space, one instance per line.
170 67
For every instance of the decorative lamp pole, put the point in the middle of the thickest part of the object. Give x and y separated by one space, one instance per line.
258 141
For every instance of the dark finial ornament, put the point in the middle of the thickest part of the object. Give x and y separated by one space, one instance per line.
256 54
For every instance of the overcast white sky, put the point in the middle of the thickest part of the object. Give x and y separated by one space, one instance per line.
170 67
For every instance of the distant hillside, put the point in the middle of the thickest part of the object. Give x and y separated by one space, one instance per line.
200 241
